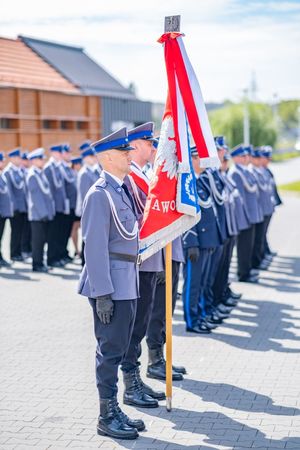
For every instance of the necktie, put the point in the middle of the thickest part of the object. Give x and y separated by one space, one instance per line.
129 196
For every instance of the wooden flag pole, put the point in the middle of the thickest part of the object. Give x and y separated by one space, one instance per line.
168 262
172 23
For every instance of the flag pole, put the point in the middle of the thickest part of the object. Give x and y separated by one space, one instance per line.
172 23
168 262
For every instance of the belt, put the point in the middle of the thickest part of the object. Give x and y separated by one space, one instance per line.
124 257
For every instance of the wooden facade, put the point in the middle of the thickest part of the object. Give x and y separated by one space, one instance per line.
31 118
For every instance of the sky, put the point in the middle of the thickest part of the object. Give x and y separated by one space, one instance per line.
229 42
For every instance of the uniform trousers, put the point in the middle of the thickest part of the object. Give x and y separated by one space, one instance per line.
221 279
195 276
244 246
56 239
2 225
17 225
39 231
156 332
143 313
26 237
259 239
68 219
112 344
212 267
267 250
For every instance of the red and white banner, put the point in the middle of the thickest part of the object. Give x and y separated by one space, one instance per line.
172 206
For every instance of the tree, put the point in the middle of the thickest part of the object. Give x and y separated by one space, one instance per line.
228 121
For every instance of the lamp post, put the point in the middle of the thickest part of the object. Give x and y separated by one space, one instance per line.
246 121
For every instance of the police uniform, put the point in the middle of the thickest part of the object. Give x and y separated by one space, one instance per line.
6 209
41 209
16 185
56 235
147 281
110 234
26 235
248 189
70 181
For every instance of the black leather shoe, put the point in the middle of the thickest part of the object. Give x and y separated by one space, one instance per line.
249 280
221 315
209 325
230 302
224 309
179 369
234 295
17 258
56 264
157 366
111 423
199 329
41 269
134 394
263 266
4 263
158 395
214 318
133 423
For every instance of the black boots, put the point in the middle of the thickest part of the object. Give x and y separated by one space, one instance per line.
157 366
134 393
159 395
114 423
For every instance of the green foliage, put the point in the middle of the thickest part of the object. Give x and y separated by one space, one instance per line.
293 187
288 113
228 121
284 156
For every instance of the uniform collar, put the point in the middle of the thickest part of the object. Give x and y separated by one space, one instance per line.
120 182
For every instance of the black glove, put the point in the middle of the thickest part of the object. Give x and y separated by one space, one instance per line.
161 277
193 254
104 308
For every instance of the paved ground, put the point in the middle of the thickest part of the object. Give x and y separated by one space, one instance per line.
243 382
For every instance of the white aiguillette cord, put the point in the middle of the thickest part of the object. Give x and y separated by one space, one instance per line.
127 235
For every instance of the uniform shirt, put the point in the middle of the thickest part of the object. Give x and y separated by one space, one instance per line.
16 184
41 205
70 179
102 235
6 205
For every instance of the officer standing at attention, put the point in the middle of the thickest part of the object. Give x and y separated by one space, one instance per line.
76 164
6 207
16 185
70 181
62 206
41 208
137 393
110 276
26 235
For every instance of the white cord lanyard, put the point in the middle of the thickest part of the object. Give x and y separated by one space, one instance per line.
127 235
247 186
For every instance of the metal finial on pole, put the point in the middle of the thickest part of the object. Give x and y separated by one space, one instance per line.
172 24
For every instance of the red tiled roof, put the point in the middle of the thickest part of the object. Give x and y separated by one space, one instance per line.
22 67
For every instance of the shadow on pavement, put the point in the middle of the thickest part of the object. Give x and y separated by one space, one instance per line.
236 398
218 428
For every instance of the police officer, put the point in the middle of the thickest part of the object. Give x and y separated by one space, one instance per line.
70 181
137 393
200 243
76 164
6 207
110 276
247 186
56 234
26 235
16 185
41 208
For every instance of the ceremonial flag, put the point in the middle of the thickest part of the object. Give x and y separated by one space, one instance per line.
172 206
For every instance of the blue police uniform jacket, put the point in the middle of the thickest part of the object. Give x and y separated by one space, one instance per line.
206 233
16 184
57 187
248 190
275 196
6 205
212 178
86 177
230 205
40 202
264 191
101 274
70 179
242 222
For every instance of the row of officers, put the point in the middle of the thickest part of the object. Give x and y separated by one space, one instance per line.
127 299
43 201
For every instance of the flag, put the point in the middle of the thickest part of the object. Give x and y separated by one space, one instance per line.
172 206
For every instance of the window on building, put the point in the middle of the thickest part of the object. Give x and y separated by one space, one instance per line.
8 123
80 125
66 125
48 124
